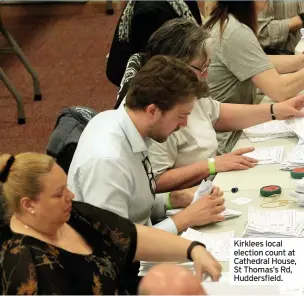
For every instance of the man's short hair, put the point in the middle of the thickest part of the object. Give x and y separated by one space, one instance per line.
165 82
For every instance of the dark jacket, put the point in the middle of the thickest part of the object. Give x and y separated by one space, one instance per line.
68 129
148 16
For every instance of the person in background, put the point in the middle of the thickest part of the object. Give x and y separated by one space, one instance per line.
239 65
279 26
189 154
138 21
52 245
170 279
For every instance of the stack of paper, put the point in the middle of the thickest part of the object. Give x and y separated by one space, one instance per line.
267 155
269 130
299 193
276 129
294 159
228 213
297 126
218 244
284 223
145 266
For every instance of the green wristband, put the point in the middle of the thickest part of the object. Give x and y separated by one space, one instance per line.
211 166
168 205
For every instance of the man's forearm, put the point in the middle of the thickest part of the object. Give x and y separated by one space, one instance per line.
184 177
295 23
287 63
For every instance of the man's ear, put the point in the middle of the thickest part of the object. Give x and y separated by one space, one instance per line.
152 110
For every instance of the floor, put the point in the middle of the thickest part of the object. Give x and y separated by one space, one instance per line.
69 53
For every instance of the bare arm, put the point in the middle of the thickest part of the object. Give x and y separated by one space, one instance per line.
295 23
279 88
183 177
237 117
157 245
287 63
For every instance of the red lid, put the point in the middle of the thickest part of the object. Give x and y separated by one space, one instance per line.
298 170
271 188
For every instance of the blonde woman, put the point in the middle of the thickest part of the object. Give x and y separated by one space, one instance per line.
52 245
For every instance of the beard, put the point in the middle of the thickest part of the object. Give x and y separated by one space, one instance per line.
158 137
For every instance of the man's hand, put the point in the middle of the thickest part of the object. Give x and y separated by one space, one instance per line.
216 191
290 108
206 210
182 198
235 160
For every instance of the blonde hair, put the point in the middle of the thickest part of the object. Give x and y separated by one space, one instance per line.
23 177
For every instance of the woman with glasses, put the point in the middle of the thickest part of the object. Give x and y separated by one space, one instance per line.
239 65
189 154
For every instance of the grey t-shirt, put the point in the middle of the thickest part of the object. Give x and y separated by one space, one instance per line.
236 57
274 25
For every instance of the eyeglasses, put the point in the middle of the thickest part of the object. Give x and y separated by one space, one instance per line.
202 71
148 168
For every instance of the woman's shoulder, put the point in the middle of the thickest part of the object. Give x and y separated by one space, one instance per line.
92 214
234 26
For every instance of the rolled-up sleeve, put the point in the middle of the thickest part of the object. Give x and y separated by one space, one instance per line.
272 32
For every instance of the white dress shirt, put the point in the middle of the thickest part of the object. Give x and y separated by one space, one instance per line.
107 170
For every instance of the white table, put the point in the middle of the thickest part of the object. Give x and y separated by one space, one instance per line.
249 183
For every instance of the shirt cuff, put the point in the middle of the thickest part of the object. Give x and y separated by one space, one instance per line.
158 210
167 225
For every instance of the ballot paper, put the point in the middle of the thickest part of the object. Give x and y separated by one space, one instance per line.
279 223
268 155
241 200
228 213
145 266
218 244
294 159
203 189
269 130
276 129
263 139
297 126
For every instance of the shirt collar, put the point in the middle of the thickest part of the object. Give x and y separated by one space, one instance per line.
137 142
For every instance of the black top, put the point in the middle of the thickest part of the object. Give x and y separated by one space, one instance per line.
148 16
135 62
31 266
